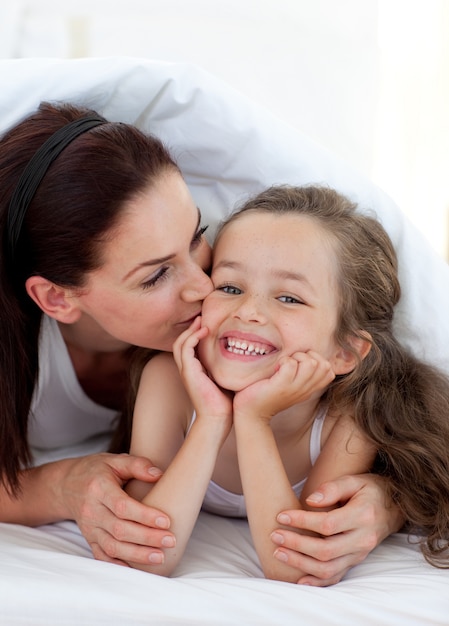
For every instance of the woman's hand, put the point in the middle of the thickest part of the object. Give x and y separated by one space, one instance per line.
207 398
297 378
118 528
348 534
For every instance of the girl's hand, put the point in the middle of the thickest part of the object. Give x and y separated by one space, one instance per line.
207 398
347 534
298 378
118 528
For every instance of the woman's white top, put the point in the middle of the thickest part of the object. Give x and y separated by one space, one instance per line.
62 415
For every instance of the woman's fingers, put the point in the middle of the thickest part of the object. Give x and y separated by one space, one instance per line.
122 541
117 527
319 573
330 542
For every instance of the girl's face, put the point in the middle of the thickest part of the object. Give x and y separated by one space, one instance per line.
151 284
275 293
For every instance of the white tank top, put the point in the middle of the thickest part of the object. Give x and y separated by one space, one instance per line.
222 502
62 415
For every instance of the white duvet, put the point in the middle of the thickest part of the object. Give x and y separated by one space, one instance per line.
227 148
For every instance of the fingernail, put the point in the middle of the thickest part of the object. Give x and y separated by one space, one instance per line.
277 538
281 556
315 497
283 518
168 541
156 557
162 522
155 471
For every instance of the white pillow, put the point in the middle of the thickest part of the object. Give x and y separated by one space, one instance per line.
229 147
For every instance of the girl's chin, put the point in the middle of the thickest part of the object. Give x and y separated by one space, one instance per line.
235 384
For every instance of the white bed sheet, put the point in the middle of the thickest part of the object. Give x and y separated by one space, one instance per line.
227 147
48 577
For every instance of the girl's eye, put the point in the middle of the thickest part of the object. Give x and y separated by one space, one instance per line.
198 235
233 291
160 275
290 300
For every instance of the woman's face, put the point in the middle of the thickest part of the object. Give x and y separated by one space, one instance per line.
275 293
151 284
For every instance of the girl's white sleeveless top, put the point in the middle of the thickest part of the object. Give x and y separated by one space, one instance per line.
222 502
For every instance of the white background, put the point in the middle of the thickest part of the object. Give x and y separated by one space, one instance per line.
367 78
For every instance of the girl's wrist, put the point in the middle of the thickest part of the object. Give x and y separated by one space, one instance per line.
214 423
246 415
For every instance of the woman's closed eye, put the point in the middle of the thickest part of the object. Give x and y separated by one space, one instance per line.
160 275
163 272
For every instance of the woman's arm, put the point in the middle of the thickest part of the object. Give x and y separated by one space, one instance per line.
159 431
363 516
89 491
346 535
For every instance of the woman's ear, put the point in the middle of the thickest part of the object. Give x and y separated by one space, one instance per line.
57 302
346 360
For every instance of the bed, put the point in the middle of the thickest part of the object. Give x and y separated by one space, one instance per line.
228 147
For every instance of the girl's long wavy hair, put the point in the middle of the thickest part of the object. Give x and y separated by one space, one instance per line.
74 210
400 402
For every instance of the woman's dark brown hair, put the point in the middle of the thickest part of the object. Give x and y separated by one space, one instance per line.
400 402
75 208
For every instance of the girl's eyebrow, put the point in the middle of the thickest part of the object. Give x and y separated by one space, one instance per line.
159 260
297 276
228 265
277 273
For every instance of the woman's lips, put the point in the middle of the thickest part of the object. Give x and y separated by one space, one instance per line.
188 321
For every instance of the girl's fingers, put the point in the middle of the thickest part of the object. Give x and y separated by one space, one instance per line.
311 372
187 341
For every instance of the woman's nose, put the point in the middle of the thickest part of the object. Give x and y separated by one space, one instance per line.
199 285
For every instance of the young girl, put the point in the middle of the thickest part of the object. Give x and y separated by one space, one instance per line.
299 330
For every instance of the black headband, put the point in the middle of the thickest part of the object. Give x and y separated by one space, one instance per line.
35 171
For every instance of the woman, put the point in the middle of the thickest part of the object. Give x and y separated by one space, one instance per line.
102 250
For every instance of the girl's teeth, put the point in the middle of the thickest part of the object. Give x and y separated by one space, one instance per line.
242 347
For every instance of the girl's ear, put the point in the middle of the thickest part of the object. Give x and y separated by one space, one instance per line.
345 360
57 302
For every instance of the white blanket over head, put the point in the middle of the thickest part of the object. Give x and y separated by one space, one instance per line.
228 148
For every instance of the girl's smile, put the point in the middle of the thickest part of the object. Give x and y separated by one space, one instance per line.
269 305
236 343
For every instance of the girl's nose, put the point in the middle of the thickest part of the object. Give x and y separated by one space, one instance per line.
251 309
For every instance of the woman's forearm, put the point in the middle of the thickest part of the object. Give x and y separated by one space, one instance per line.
89 490
40 499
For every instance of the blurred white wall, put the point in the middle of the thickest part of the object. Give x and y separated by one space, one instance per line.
369 80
